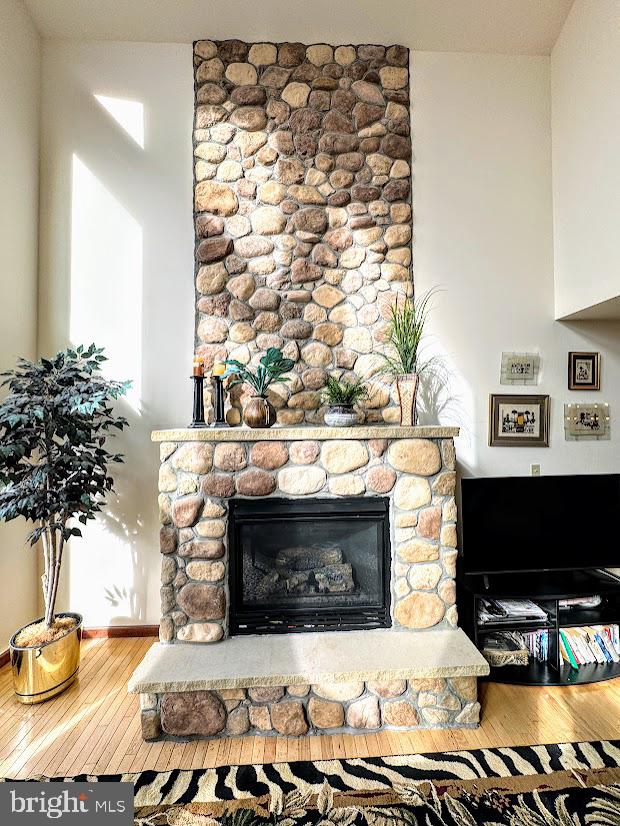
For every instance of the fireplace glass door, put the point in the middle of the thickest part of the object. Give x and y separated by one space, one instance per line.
308 565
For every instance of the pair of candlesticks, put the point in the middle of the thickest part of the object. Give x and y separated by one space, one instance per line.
198 377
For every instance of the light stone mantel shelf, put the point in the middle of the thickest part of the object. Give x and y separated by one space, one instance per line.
295 659
247 434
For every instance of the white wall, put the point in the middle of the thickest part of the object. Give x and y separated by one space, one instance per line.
585 83
117 267
19 162
483 230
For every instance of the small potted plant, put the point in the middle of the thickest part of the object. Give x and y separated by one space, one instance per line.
403 337
340 398
53 469
259 412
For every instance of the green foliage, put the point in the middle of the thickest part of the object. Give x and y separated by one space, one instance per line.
270 370
53 429
343 392
404 334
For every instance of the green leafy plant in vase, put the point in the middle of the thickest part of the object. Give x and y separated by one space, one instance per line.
341 398
259 412
54 424
403 338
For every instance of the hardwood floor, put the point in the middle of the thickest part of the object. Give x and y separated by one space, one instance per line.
93 727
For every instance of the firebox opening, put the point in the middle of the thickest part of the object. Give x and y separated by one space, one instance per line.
309 565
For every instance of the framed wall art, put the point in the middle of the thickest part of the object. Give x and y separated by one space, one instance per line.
584 371
583 422
520 368
518 421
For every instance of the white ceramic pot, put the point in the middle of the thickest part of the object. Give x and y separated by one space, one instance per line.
340 415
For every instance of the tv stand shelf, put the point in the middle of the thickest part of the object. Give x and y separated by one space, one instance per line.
546 589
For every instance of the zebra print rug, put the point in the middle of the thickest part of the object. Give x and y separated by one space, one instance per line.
369 775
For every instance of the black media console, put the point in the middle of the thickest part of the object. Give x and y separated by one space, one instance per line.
546 589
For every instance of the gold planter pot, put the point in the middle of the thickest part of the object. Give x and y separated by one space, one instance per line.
41 673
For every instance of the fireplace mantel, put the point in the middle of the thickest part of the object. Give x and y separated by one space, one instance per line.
248 434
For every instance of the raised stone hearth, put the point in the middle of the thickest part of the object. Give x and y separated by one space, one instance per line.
311 683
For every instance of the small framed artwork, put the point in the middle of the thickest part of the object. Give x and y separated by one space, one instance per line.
518 421
584 371
584 422
520 368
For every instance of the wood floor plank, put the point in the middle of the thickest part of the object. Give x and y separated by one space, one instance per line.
235 751
211 753
223 752
316 752
93 727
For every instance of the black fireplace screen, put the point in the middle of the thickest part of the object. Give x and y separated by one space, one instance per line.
308 565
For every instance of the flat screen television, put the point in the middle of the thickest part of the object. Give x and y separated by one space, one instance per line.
540 523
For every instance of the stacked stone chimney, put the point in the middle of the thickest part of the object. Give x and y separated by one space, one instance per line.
302 211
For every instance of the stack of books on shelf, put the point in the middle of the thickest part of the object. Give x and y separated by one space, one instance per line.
590 644
537 643
509 611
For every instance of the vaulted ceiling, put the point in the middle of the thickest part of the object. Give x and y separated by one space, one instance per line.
496 26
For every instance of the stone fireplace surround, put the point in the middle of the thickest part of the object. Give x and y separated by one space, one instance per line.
420 672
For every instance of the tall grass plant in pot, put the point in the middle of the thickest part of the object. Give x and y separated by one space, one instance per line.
54 424
403 339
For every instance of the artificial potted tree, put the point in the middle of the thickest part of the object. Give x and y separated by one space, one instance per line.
403 337
259 412
53 470
341 398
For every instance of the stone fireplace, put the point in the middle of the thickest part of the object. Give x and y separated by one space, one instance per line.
266 534
308 573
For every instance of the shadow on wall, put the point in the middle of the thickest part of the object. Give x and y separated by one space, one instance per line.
120 242
437 400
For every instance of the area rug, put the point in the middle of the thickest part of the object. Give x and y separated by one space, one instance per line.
569 784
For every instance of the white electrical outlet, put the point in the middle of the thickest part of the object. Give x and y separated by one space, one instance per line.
534 470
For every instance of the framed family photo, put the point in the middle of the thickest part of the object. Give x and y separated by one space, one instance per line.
518 421
584 371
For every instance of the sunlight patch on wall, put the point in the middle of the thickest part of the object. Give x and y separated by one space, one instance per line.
129 114
101 575
106 278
